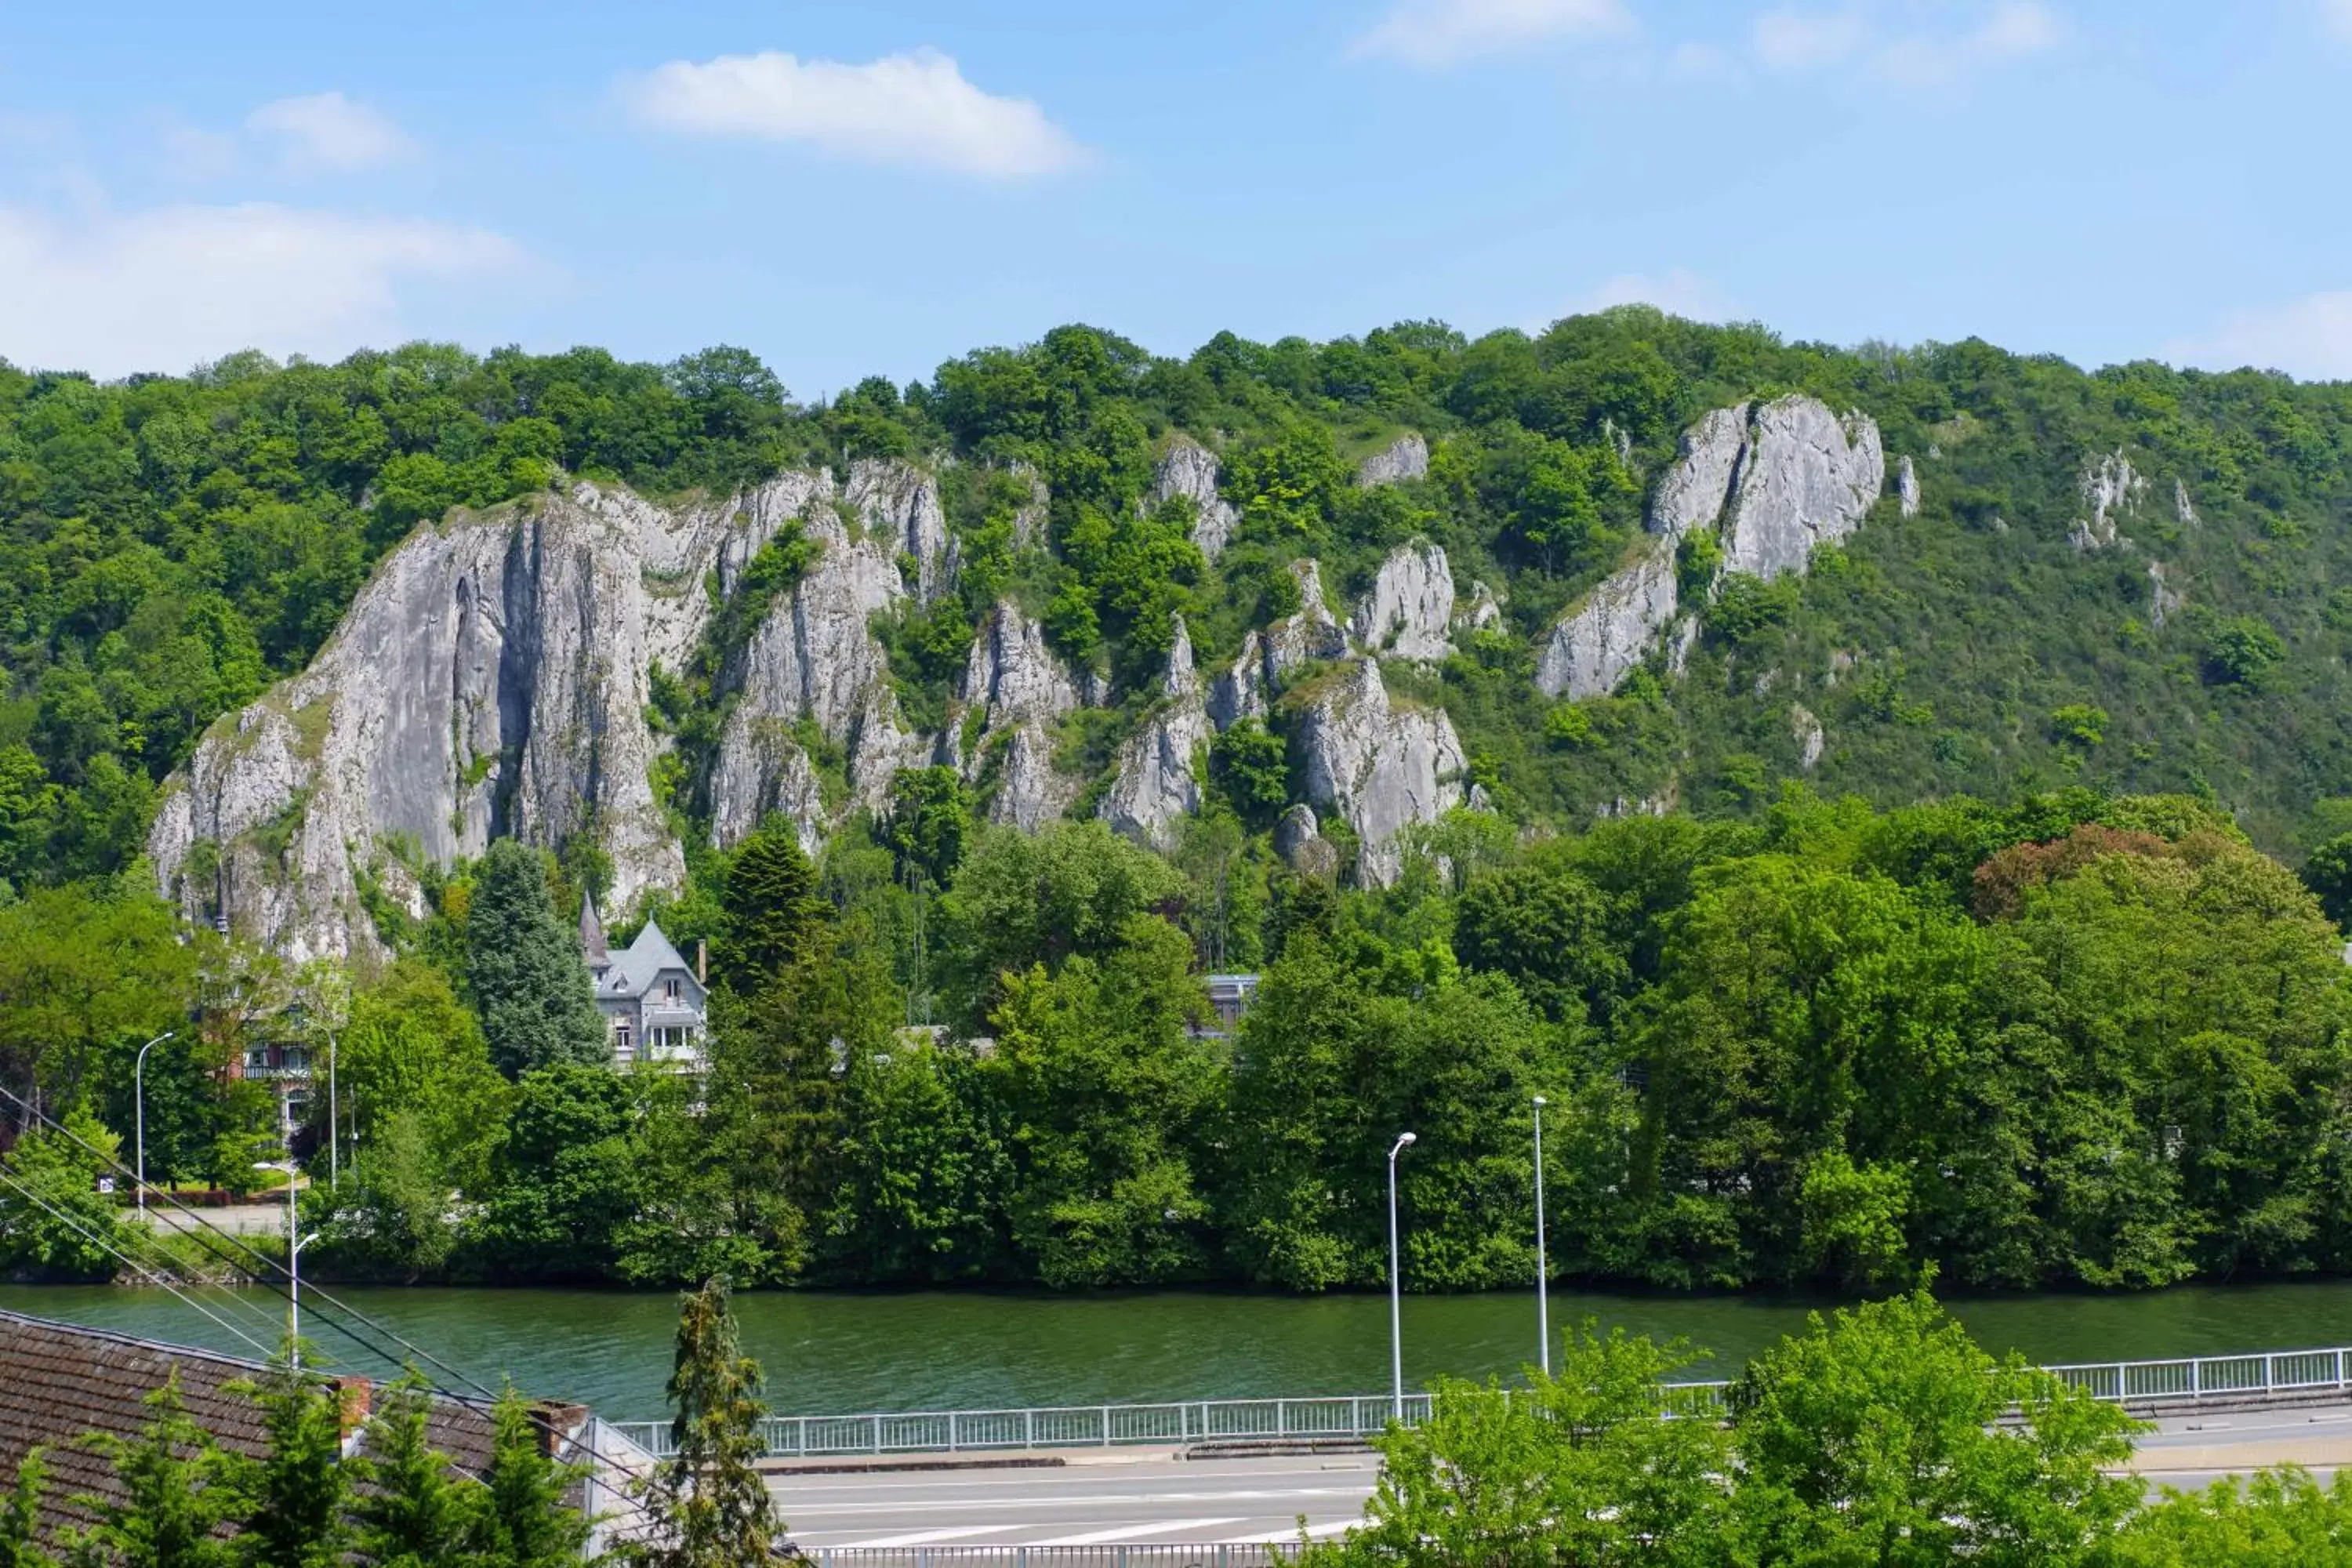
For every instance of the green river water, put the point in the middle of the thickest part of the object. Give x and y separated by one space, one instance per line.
835 1352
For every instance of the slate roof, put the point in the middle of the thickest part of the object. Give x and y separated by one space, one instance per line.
59 1381
636 967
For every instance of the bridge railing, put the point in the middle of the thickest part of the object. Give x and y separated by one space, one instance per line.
1188 1421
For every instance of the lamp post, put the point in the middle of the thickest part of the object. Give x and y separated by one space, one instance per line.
334 1149
295 1242
1396 1299
139 1111
1543 1270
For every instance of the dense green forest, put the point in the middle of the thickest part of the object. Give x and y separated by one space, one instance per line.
2016 983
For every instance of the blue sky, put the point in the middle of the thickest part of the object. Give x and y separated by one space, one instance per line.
853 188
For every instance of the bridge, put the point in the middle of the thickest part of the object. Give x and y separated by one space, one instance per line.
1225 1483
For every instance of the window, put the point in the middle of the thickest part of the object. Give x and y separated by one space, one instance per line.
621 1041
672 993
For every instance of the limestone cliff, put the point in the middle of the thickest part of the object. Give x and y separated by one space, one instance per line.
1377 766
1190 470
1406 458
1020 689
1773 482
1157 783
2111 488
1409 610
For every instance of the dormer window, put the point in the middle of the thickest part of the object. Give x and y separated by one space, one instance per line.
672 993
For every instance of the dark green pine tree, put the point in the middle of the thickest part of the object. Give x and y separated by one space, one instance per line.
20 1516
527 1518
709 1507
410 1512
295 1495
772 910
531 985
178 1489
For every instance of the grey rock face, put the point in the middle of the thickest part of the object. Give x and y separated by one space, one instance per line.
2163 599
1810 736
1379 767
1808 479
1309 635
1695 491
1013 674
1906 486
1239 692
1296 827
1410 607
1156 786
1483 612
2111 488
490 681
1596 646
900 503
1406 458
1190 470
2181 509
1772 481
1029 791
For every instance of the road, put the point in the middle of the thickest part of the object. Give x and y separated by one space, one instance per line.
1139 1496
1125 1499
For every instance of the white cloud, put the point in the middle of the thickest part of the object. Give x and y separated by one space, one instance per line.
1793 40
162 289
1678 291
2008 31
326 133
1447 32
915 108
2311 338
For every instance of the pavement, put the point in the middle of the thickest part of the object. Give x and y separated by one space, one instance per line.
1138 1497
235 1219
1152 1497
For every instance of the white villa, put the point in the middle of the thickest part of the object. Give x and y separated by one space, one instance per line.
653 1002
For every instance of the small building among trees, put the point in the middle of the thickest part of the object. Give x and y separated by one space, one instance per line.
655 1004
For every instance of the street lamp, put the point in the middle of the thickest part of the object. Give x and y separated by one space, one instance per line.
1543 1271
139 1111
334 1154
295 1242
1396 1300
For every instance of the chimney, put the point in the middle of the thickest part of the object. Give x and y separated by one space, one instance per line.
353 1397
701 962
558 1425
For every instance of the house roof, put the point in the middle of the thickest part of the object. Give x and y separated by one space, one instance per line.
634 969
61 1381
592 933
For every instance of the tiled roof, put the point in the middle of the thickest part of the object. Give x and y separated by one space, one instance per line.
59 1381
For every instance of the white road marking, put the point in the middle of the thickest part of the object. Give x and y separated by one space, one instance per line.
1282 1537
1129 1531
933 1537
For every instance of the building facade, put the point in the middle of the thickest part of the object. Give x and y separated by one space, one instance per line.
655 1004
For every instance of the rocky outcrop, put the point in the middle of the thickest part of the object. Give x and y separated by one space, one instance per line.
1594 648
899 507
1377 766
1808 479
1298 839
2111 488
1410 607
1808 735
1239 692
2182 510
1021 689
1310 634
1406 458
1190 470
491 679
1157 785
1772 481
2163 599
1483 613
1906 487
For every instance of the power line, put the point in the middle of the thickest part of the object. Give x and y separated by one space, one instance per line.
123 1257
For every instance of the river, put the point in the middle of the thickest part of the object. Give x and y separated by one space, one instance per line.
840 1352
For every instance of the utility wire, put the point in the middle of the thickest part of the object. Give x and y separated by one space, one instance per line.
96 1238
484 1394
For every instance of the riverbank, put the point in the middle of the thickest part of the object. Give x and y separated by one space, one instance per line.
932 1349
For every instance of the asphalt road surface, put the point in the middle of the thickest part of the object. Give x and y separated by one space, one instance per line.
1134 1499
1148 1497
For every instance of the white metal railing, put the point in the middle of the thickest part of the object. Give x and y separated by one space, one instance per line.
1363 1415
